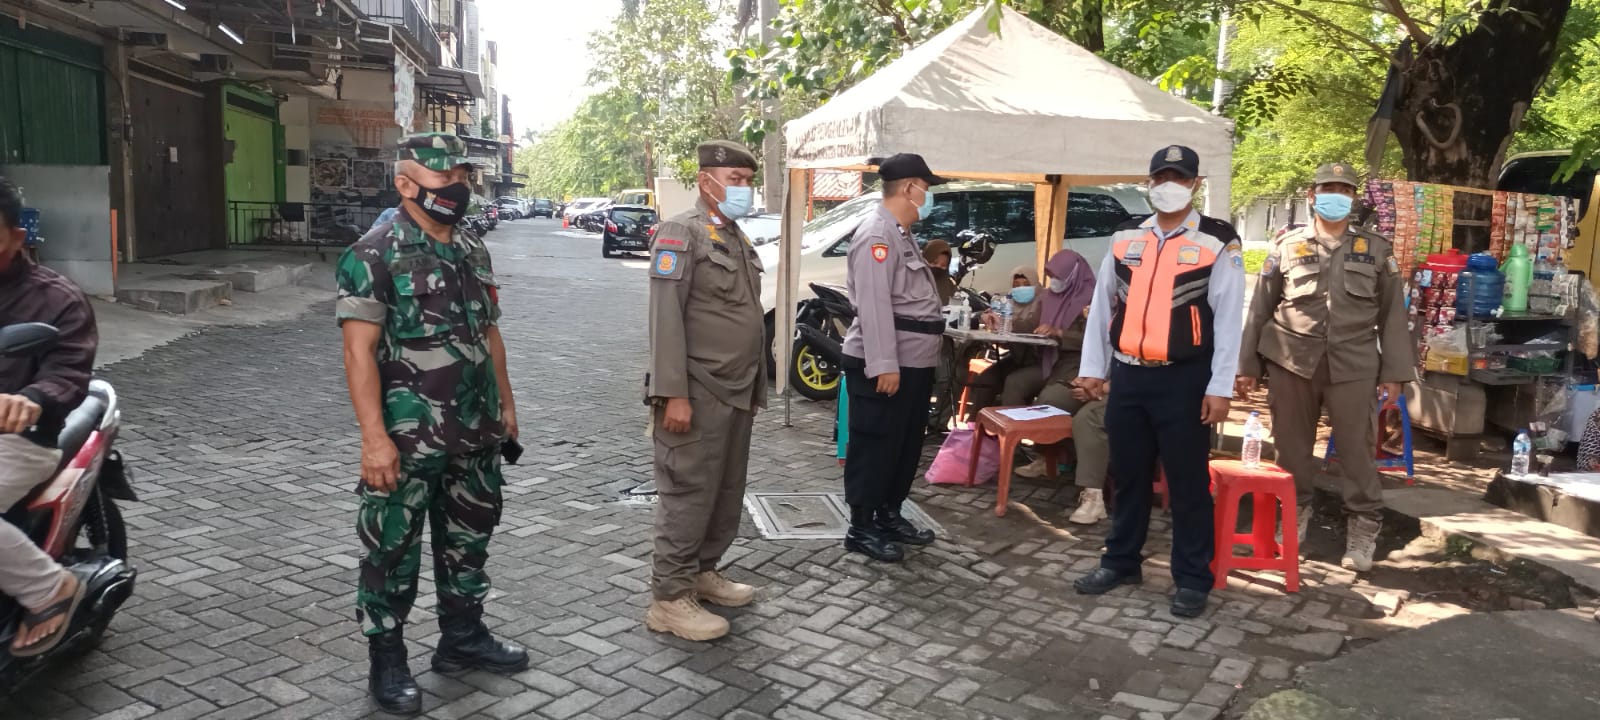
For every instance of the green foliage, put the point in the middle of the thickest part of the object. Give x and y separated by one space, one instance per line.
662 93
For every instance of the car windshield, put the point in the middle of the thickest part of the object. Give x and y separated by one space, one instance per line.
762 229
633 215
833 224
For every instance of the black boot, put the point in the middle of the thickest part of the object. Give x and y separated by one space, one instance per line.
867 538
896 526
390 681
465 643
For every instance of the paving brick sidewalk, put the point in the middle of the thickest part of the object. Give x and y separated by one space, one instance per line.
245 456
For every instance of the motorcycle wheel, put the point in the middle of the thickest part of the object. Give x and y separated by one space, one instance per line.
813 377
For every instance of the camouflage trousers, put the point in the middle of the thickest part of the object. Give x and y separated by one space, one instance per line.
458 496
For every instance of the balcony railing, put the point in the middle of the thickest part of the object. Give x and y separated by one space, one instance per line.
321 224
409 16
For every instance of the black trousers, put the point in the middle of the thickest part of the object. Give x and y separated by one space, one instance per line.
886 434
1154 413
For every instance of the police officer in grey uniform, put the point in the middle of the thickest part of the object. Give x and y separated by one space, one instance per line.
707 377
890 355
1327 326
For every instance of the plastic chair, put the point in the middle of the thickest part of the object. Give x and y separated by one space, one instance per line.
1045 434
1270 486
1387 462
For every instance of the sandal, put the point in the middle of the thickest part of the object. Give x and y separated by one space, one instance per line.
67 607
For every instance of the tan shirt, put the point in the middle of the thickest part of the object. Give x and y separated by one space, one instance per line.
1342 299
705 311
888 277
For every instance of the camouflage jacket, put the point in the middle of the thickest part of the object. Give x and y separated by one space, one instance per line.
434 301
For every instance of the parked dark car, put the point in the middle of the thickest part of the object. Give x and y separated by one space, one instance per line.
543 208
627 228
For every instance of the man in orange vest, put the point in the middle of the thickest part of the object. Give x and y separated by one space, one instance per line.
1164 328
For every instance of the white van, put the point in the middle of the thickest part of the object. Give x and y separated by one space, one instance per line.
1005 211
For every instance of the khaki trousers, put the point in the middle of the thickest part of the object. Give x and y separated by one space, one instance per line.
1296 404
700 480
27 574
1091 443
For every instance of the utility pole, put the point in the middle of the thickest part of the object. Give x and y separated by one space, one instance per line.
772 146
1222 88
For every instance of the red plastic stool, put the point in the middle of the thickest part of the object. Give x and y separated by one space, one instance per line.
1269 485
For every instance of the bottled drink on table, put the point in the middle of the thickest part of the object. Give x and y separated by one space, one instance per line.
1521 449
1005 316
1253 431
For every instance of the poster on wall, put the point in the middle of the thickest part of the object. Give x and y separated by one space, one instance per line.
405 93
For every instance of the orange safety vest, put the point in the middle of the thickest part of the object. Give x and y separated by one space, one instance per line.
1162 312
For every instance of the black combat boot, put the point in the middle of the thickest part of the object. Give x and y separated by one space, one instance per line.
390 682
465 643
897 527
867 538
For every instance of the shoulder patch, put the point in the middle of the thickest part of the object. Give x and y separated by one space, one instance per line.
667 265
880 252
1394 267
1237 258
1268 266
670 242
1234 247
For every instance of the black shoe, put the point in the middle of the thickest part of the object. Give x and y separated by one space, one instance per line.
1104 580
390 680
465 643
873 543
1188 603
894 525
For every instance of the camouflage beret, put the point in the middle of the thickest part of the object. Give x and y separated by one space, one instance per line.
434 150
1336 173
725 153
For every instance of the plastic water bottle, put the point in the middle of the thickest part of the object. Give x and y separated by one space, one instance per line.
1003 309
1521 449
1252 440
963 309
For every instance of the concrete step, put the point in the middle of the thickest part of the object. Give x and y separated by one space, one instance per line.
172 294
251 278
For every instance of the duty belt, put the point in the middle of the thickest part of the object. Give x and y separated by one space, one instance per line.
1125 358
921 327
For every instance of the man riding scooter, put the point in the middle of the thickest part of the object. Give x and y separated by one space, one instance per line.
36 395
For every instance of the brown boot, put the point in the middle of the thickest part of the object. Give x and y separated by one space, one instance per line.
685 618
713 588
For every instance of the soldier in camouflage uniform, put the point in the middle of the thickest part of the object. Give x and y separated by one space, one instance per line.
419 307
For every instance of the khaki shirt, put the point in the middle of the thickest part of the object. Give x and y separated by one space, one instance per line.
887 278
1342 299
705 312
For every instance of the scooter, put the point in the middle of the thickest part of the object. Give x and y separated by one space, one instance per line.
73 517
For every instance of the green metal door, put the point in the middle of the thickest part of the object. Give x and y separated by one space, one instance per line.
251 174
52 103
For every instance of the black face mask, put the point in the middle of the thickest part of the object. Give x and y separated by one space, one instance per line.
446 205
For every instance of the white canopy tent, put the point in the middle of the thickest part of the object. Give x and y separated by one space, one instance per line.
1021 105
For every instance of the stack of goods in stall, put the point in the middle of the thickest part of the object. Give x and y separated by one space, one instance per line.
1433 310
1497 225
1405 226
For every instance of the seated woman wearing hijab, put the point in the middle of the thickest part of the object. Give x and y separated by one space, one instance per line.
1044 374
937 253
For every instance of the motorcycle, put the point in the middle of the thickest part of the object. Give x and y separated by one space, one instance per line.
822 321
74 518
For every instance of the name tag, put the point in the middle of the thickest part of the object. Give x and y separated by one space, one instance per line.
1135 251
1303 260
1363 259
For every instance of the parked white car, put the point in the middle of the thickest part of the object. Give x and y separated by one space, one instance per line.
1005 211
583 206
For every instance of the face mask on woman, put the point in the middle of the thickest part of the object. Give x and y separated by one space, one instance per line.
1058 286
1022 295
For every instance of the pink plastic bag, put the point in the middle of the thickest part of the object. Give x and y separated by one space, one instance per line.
950 465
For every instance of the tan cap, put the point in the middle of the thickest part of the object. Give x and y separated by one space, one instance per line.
1337 172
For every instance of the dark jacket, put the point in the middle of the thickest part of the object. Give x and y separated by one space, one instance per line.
57 380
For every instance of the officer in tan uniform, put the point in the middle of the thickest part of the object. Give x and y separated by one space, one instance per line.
1327 326
707 377
890 356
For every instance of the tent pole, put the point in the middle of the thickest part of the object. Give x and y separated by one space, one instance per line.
796 193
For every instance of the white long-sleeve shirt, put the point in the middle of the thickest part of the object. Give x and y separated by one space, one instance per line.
1224 293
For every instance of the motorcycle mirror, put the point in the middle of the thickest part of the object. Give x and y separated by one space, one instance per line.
27 339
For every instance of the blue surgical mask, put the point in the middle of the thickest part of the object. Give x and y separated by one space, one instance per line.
926 207
739 199
1023 294
1333 207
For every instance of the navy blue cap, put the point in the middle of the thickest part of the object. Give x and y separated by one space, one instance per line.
1176 157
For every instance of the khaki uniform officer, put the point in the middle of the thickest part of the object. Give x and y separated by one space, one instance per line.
891 353
707 377
1328 326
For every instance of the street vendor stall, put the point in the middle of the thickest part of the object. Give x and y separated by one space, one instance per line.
1017 103
1496 317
